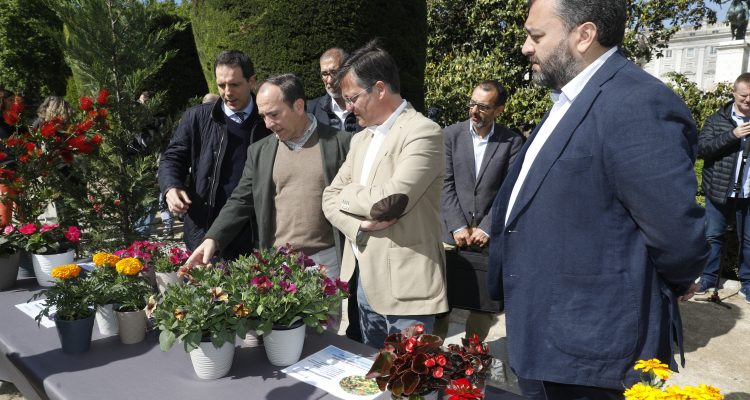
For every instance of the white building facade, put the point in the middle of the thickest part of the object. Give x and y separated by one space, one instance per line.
706 56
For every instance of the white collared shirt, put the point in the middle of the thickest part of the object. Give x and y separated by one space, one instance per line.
561 103
340 112
480 145
297 145
378 133
233 116
745 189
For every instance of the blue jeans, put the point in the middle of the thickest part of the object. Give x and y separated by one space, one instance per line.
718 216
376 327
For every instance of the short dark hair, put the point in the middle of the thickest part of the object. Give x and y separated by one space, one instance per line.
371 63
744 78
235 58
609 16
290 86
490 85
4 94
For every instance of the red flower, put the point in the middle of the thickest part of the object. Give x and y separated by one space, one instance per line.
429 363
73 234
17 106
49 129
86 103
3 155
116 202
84 126
418 329
469 371
30 147
10 118
23 158
462 389
440 360
13 141
410 343
437 372
27 229
101 99
48 227
97 139
103 112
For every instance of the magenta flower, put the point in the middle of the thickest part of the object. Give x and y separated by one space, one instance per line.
48 227
9 229
262 283
73 234
27 229
329 287
288 286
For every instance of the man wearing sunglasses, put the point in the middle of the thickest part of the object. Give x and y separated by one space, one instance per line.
478 152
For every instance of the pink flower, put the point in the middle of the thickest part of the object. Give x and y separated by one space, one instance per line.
48 227
262 283
9 229
27 229
73 234
288 286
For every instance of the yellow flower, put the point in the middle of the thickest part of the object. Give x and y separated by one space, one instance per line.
218 294
240 310
641 391
702 392
657 367
129 266
150 306
179 313
65 272
105 259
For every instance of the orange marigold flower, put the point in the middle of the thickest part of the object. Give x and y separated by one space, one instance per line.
65 272
105 259
129 266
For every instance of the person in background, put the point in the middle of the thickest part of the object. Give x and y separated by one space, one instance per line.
478 152
596 233
723 145
330 108
210 146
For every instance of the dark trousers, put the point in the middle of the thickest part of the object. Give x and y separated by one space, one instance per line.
718 217
544 390
353 331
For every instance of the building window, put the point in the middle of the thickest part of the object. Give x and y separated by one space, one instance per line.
691 34
712 50
668 54
715 31
690 52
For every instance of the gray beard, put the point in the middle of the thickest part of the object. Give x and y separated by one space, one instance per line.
333 94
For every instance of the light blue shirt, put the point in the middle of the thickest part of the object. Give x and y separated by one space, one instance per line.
233 116
745 189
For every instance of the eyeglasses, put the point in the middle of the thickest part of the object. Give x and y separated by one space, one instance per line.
352 99
331 73
481 106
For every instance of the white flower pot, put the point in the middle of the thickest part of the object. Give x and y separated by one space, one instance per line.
44 263
106 320
166 278
132 326
284 346
210 362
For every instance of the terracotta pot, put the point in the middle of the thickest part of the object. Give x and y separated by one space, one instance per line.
6 204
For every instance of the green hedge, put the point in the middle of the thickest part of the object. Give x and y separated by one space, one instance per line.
289 36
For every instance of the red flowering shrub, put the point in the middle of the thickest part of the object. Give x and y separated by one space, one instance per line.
41 153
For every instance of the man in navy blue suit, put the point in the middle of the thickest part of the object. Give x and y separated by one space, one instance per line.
596 233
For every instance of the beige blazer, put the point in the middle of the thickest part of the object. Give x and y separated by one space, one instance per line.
402 268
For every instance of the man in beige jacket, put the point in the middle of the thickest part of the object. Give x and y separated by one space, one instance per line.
386 200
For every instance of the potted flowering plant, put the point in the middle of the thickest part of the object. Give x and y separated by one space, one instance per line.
11 241
144 251
204 317
102 279
287 292
414 365
50 245
69 303
130 291
166 262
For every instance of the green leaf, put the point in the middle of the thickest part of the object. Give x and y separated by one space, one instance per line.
166 340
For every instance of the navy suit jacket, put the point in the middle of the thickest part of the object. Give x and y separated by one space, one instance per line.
464 192
604 235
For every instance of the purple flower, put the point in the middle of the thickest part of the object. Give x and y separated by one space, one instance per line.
286 269
329 287
305 261
343 286
288 286
262 283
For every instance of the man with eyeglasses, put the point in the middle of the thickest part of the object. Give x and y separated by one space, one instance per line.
330 109
478 152
386 200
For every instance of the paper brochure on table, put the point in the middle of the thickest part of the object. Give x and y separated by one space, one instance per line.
338 372
33 308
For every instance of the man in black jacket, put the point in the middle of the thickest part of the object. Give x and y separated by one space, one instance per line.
211 144
330 109
724 145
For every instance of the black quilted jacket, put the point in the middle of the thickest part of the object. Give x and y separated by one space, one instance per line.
719 148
